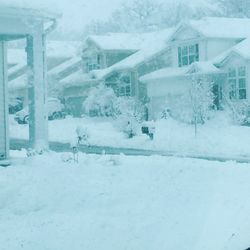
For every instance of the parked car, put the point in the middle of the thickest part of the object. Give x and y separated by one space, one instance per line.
55 111
15 105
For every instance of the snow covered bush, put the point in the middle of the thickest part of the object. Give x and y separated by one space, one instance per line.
101 101
127 111
239 112
129 115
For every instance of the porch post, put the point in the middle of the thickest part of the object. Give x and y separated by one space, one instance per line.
4 111
37 91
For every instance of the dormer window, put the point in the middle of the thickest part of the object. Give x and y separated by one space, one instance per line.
188 54
93 62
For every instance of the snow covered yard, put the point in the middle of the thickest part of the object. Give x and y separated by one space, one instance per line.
217 137
108 202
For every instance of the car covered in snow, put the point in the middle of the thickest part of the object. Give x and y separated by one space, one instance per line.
55 111
15 105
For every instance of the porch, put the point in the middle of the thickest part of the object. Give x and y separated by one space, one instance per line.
33 26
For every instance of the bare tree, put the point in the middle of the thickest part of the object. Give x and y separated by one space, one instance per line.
195 105
149 15
234 8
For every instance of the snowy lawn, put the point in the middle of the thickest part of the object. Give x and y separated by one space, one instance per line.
217 137
118 202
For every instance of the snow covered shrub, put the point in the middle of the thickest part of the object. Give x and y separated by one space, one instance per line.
239 112
127 111
129 114
101 101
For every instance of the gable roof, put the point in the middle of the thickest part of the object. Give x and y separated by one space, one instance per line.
119 41
241 49
155 44
219 27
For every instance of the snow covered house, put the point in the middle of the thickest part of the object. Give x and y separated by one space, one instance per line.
34 25
215 49
118 60
62 60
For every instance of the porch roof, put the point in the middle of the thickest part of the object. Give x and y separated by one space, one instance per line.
204 68
165 73
16 11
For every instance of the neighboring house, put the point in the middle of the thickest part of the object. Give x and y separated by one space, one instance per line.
118 60
215 49
75 89
62 60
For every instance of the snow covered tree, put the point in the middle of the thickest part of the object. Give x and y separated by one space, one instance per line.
195 105
150 15
136 16
201 100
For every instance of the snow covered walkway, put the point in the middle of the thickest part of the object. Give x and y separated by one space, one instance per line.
118 202
19 144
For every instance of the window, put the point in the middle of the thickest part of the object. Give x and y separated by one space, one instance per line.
237 83
93 62
188 54
124 85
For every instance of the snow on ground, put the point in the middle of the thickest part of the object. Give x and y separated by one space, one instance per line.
118 202
217 137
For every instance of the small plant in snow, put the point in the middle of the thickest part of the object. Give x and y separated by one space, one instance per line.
82 135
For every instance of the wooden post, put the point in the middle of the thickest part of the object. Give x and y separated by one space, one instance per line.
37 89
4 111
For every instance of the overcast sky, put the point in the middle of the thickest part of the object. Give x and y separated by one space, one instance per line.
76 13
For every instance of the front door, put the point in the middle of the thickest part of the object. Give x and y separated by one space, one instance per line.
216 92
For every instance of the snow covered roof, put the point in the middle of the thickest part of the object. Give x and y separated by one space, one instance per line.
78 78
18 83
55 48
203 68
75 61
242 49
221 27
153 45
58 48
15 10
195 68
165 73
119 41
